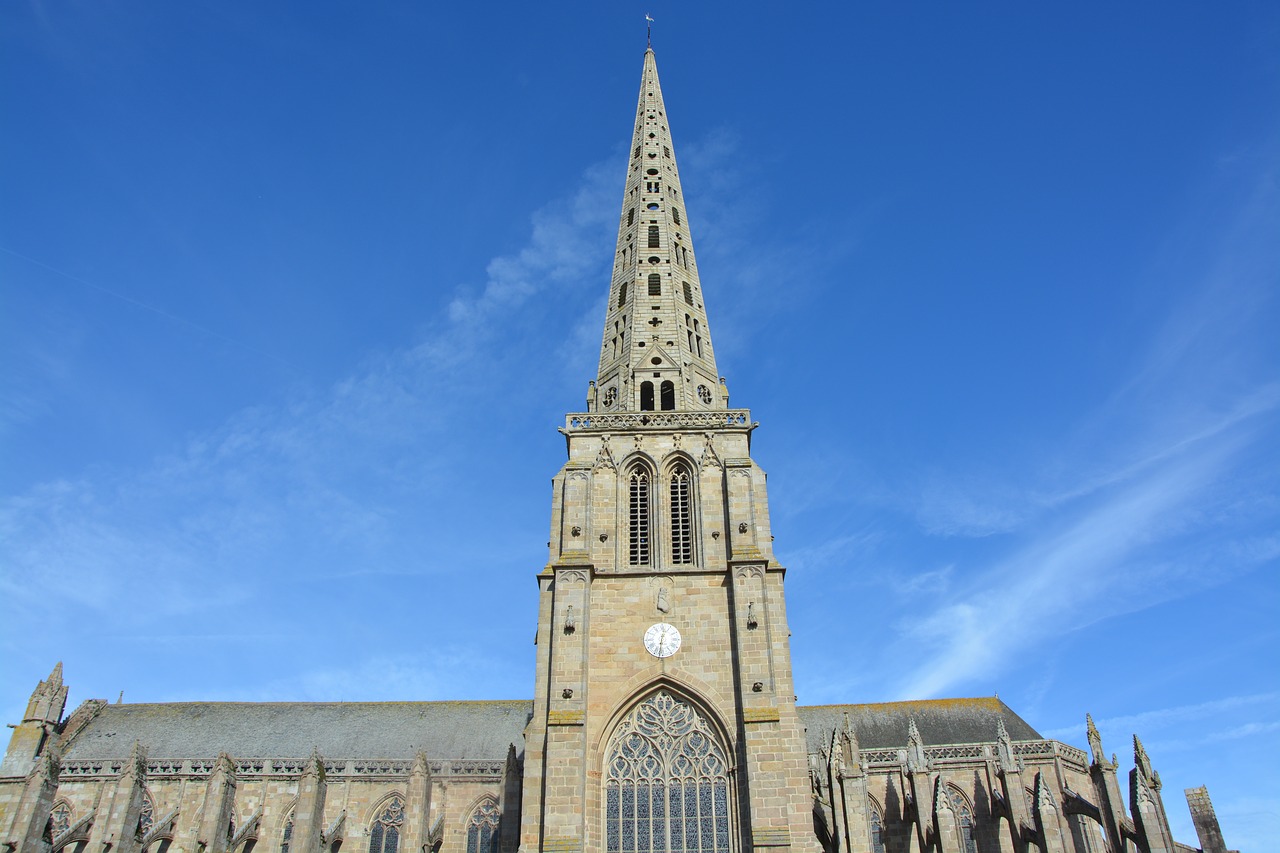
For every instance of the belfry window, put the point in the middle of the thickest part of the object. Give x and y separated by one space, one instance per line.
622 294
653 236
675 214
646 396
482 827
638 516
384 835
666 782
655 284
631 216
681 516
688 293
668 395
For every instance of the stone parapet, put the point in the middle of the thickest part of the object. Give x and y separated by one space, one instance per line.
737 419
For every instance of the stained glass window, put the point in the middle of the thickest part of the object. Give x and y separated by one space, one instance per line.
966 823
667 782
147 814
384 835
877 832
482 828
287 836
60 819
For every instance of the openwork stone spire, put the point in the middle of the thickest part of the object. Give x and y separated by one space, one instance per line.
656 353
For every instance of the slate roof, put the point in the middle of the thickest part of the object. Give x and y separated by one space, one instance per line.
460 730
339 730
884 725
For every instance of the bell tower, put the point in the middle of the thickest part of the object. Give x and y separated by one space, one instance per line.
664 714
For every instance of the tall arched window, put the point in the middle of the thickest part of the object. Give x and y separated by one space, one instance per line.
666 782
384 835
681 515
287 835
482 827
147 814
877 832
655 284
638 516
622 294
646 396
966 822
653 236
668 395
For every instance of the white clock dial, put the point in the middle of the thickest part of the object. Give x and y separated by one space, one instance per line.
662 640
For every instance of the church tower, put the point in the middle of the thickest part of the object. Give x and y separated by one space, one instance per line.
664 714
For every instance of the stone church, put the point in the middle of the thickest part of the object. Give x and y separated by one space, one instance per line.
663 717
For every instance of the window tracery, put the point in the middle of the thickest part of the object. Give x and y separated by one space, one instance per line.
965 816
60 819
384 835
482 827
146 814
287 835
667 782
877 832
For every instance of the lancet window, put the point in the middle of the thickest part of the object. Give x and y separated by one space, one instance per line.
666 782
622 294
877 832
681 515
638 516
384 835
147 814
966 822
287 835
653 236
655 284
482 827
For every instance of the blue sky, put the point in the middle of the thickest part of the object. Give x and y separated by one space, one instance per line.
288 288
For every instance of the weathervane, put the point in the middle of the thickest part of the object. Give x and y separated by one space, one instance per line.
648 30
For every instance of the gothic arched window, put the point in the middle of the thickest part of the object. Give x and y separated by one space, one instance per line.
681 515
877 832
638 516
287 835
482 827
965 817
666 782
384 835
147 814
59 819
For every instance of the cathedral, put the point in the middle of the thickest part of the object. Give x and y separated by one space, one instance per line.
663 716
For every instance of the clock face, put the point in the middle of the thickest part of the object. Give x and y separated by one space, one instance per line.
662 640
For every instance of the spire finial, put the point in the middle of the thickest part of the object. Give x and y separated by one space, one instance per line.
648 30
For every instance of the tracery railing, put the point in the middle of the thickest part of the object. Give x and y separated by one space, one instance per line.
658 420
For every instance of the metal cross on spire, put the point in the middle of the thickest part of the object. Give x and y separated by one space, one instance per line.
648 29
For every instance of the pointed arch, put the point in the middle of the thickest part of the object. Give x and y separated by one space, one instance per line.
61 817
286 833
666 767
482 826
681 482
638 484
875 825
386 824
964 817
